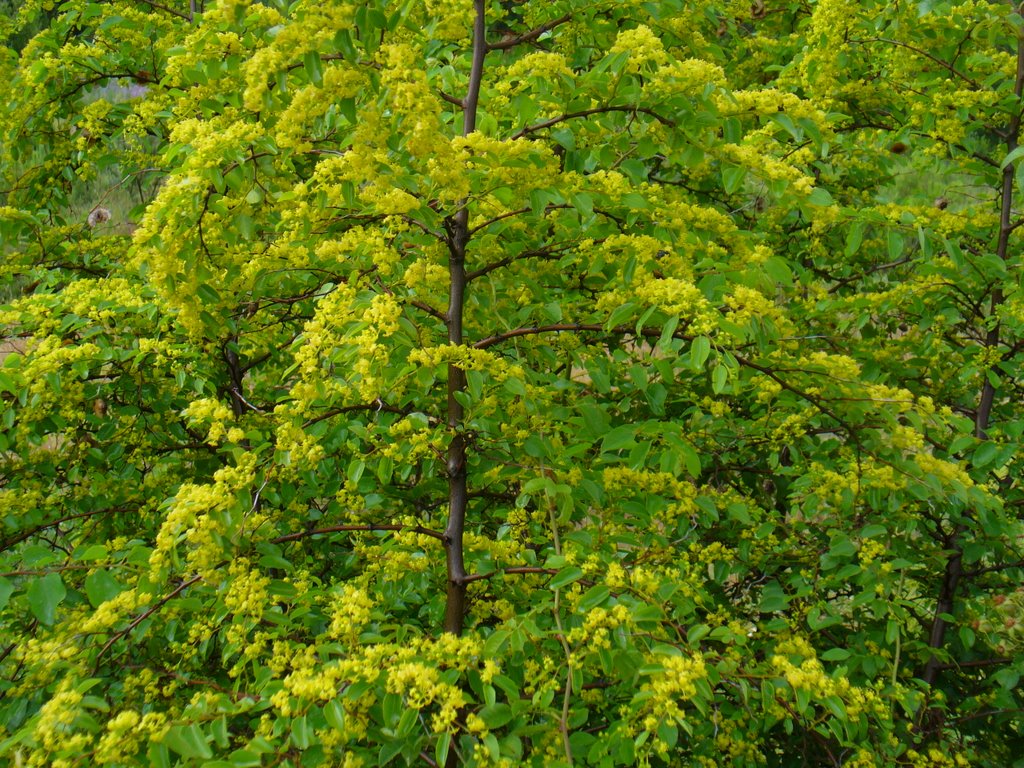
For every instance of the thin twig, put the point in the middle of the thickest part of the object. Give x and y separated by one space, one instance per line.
164 8
631 108
368 527
528 37
147 613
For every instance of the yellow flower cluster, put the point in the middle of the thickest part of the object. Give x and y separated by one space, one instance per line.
595 633
247 593
421 686
93 123
949 472
797 663
340 81
673 684
687 77
350 611
213 139
837 488
769 101
50 388
313 25
521 165
747 304
543 65
409 439
732 742
686 218
662 483
936 758
196 515
217 416
426 278
870 550
791 428
808 676
681 298
110 612
467 358
300 450
767 167
309 680
126 732
56 716
820 67
320 335
452 19
645 49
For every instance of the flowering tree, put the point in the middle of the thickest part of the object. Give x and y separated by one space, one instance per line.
511 383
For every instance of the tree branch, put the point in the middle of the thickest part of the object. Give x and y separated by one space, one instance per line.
357 527
528 37
502 571
456 462
159 7
900 44
535 330
146 614
632 109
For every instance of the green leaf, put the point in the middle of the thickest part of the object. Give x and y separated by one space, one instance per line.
101 586
854 238
619 438
620 315
696 633
594 597
95 552
584 203
356 467
565 576
719 378
444 742
820 197
733 177
1011 157
967 637
894 241
44 595
334 712
836 654
842 547
985 453
243 758
515 386
302 734
700 348
389 751
158 754
188 741
1008 678
595 419
773 598
784 120
778 270
314 67
496 715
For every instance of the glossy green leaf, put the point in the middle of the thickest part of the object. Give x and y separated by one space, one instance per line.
45 593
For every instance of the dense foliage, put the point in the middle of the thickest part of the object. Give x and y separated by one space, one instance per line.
592 382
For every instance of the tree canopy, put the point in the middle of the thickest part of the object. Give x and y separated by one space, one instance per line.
495 383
